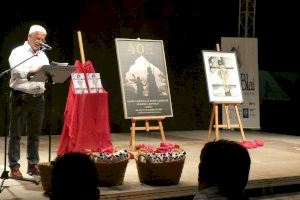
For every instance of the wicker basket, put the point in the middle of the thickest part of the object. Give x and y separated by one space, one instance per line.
167 173
111 173
46 174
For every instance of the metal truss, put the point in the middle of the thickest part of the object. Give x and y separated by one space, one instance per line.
247 10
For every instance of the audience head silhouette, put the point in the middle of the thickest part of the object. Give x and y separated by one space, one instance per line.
224 168
74 176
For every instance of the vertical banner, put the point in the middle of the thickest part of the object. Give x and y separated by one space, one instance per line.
144 78
246 50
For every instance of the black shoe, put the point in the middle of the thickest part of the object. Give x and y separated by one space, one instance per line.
33 170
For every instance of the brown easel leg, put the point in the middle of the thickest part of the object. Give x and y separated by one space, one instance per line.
217 122
240 122
162 133
212 117
132 135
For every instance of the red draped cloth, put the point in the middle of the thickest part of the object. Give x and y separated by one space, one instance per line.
86 119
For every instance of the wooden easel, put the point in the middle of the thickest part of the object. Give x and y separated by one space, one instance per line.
147 128
215 117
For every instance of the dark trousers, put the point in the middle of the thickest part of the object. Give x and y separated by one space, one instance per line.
26 117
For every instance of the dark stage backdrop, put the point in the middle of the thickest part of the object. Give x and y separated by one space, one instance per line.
186 28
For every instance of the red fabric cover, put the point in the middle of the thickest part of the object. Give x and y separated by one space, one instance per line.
145 147
252 144
166 147
86 119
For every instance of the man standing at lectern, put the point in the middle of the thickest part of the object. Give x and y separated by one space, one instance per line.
26 101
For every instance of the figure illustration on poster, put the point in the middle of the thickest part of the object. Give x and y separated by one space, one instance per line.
143 79
221 66
139 86
151 83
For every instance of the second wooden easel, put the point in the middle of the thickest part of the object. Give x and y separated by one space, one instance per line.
147 127
214 119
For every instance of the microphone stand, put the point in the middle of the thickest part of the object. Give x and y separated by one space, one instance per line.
4 174
50 81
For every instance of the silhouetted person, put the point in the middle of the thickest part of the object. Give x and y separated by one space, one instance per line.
151 83
74 177
223 171
139 87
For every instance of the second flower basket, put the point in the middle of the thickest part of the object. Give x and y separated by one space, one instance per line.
160 169
111 168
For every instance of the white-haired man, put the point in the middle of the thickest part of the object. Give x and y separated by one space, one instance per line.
26 101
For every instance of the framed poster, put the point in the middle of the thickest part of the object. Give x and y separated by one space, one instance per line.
222 76
144 78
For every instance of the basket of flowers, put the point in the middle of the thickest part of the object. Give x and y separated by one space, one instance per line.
45 169
160 166
111 167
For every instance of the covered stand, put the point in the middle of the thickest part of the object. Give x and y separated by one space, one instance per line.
86 118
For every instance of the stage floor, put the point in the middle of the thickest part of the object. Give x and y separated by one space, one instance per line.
274 164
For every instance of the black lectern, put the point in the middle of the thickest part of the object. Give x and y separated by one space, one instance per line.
52 74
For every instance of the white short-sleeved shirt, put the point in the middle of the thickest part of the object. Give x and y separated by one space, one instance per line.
18 80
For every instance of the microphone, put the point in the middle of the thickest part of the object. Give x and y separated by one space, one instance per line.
46 46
